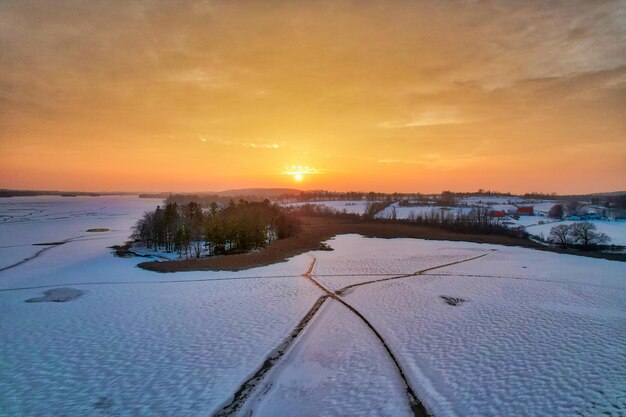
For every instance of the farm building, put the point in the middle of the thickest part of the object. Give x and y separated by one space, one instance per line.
498 213
525 211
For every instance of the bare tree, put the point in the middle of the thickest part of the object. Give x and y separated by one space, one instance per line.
560 235
585 234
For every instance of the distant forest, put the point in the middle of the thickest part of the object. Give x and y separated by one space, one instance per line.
445 198
191 230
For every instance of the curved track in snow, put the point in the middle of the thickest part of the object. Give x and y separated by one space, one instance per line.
421 272
247 388
415 404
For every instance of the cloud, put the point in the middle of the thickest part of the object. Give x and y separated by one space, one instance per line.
301 170
263 145
437 160
366 81
230 142
427 118
199 77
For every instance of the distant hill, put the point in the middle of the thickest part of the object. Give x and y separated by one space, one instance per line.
261 192
223 197
612 193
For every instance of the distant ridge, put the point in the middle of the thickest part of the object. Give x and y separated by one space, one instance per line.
264 192
235 193
612 193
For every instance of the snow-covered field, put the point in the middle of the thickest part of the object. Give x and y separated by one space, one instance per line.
538 224
408 211
532 333
352 207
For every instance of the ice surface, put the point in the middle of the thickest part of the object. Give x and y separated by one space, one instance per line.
25 221
57 295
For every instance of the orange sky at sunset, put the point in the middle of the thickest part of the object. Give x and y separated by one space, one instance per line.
352 95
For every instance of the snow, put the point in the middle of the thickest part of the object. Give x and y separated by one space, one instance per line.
152 349
537 224
337 368
404 212
529 221
387 256
512 262
543 208
148 343
539 334
514 348
25 221
489 200
348 206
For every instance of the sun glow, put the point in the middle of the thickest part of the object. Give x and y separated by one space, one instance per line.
298 172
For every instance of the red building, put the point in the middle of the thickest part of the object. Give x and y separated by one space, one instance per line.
525 211
497 213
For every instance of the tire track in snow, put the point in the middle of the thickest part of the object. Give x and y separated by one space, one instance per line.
244 391
247 388
418 273
415 404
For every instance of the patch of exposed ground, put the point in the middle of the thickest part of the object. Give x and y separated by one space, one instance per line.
57 295
98 230
103 403
125 251
453 301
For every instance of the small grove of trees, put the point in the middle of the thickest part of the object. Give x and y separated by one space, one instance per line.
190 228
556 211
373 207
581 234
319 210
447 198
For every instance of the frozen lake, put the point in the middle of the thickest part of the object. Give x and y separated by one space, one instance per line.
480 330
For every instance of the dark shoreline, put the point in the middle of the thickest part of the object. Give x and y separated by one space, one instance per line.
317 229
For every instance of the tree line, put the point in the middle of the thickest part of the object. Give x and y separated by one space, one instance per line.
578 234
192 230
476 220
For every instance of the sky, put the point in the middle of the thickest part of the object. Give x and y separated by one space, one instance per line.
407 96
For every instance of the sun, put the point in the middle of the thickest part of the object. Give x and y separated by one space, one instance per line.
298 172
